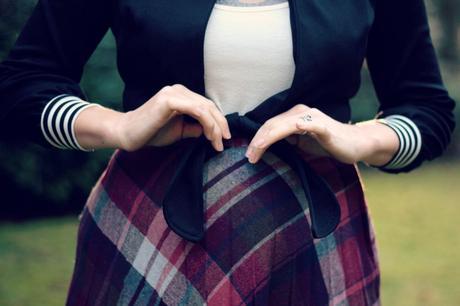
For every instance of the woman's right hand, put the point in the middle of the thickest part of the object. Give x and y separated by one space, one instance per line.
157 122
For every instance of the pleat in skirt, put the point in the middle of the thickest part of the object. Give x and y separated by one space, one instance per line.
257 249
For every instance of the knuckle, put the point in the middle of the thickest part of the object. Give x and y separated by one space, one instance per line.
165 89
170 101
209 126
300 107
269 134
129 146
207 133
178 86
314 110
215 129
260 146
131 149
214 107
323 128
221 120
205 106
203 103
209 102
269 124
164 94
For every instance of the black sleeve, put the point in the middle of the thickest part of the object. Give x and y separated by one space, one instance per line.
406 76
46 63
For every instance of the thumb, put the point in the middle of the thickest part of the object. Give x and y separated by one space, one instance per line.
191 130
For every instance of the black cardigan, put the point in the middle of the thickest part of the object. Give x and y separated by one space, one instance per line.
161 43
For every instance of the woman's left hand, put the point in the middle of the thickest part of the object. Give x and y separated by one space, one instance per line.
322 135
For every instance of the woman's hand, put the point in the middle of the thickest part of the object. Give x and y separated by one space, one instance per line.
370 141
157 122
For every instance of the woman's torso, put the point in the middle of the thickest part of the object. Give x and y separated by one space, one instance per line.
248 54
257 248
162 43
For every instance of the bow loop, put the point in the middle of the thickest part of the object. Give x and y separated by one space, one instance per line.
183 201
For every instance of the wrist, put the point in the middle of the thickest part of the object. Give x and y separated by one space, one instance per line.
377 143
112 129
98 128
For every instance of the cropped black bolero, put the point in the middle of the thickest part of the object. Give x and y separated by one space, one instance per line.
161 43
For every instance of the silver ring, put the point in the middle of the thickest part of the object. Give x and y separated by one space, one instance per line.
306 118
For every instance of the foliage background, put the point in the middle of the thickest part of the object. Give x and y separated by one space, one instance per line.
419 267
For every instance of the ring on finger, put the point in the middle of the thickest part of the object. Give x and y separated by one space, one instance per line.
306 118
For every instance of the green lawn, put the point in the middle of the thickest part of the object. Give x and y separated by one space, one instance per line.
36 260
415 216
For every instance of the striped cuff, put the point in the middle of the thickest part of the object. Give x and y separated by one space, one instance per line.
58 120
410 141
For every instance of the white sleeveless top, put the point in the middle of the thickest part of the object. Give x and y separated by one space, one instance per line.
247 55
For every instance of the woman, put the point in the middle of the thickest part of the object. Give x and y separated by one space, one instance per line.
234 180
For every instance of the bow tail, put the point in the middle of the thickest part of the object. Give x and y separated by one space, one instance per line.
183 201
324 207
322 203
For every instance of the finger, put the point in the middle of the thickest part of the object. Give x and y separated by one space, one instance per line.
213 133
212 128
217 131
293 139
221 120
267 135
218 116
169 133
217 138
191 130
201 113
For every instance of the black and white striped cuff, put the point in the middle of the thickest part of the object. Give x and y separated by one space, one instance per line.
410 140
58 120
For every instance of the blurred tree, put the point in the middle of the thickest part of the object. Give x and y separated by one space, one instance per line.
12 17
449 18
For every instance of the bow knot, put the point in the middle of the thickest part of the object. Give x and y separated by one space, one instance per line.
183 200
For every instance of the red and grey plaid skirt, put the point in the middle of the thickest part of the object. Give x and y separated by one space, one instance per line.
257 250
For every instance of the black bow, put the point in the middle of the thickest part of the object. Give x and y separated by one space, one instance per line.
183 201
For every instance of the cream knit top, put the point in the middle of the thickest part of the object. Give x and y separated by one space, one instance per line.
247 53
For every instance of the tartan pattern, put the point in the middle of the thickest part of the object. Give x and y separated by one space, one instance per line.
257 249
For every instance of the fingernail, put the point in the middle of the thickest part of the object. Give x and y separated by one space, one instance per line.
248 152
227 135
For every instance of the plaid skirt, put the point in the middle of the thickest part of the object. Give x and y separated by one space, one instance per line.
257 249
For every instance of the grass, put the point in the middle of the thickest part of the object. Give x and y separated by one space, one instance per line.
36 261
415 217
